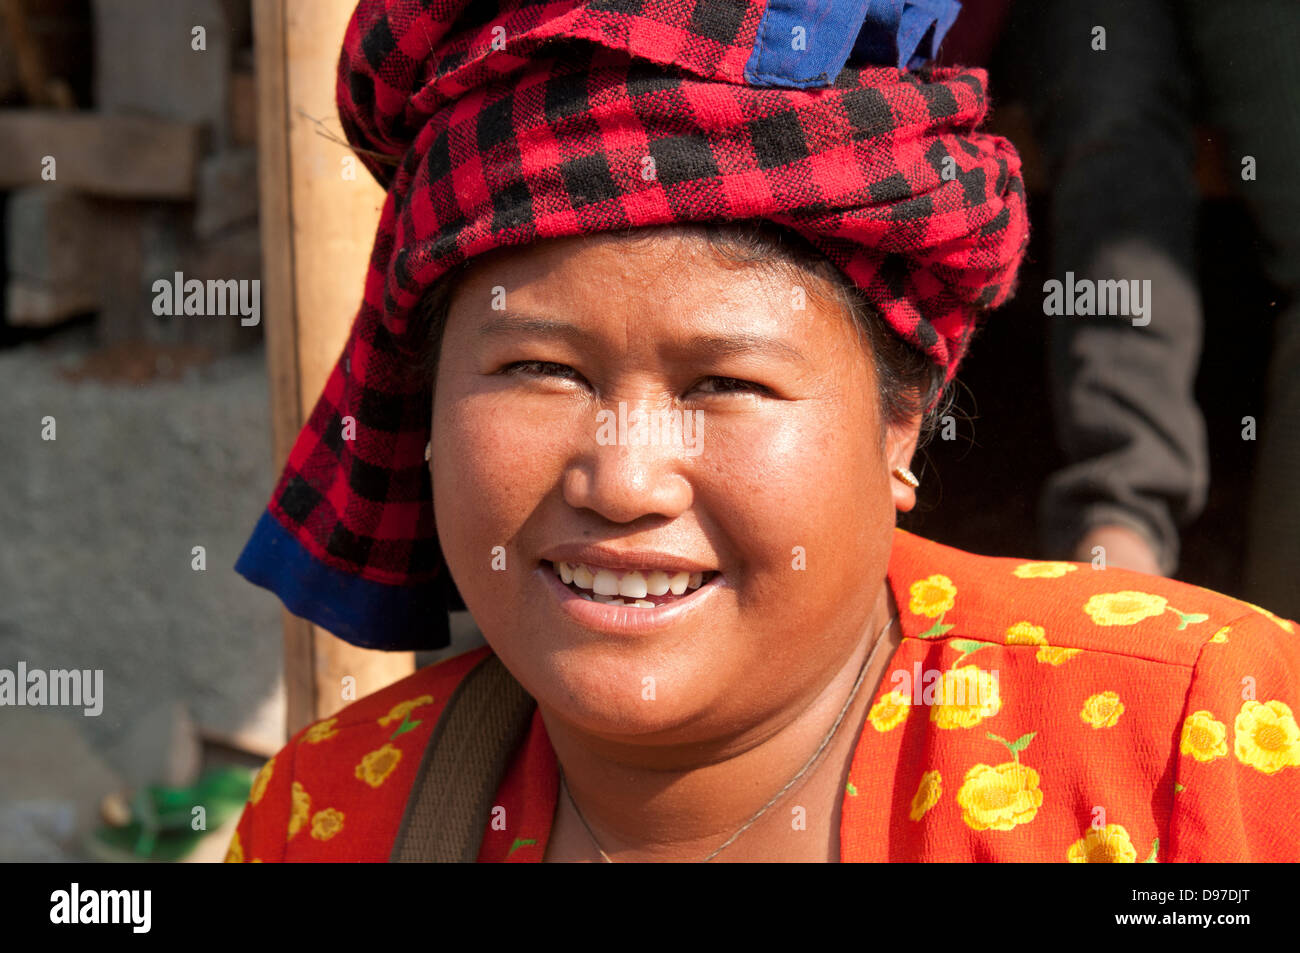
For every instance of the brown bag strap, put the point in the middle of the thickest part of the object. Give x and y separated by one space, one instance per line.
466 759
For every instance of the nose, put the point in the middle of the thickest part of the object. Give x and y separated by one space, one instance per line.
625 473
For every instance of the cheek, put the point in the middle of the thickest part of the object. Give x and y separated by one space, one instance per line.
809 477
493 463
808 501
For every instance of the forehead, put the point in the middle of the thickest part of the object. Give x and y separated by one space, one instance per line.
635 256
635 307
660 294
664 266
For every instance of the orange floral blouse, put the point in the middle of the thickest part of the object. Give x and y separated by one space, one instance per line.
1035 711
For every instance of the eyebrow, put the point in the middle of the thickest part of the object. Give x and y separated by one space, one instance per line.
723 345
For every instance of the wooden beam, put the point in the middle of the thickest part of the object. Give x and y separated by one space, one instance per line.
243 108
279 325
119 156
317 226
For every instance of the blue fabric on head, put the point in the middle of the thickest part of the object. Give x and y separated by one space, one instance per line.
903 33
367 614
806 43
802 43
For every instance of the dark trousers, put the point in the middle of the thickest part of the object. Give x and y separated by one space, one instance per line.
1116 126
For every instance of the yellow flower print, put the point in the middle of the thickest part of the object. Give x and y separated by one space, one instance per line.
1222 635
301 808
326 823
378 765
1026 633
1055 656
1111 845
889 712
1131 607
321 731
1124 608
1043 570
261 781
1204 738
399 711
932 597
1000 797
1102 710
927 795
1266 736
235 853
967 696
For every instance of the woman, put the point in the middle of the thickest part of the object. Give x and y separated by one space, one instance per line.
663 461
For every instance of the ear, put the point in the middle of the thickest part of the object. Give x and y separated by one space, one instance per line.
900 446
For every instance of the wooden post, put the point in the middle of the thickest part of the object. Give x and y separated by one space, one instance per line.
317 226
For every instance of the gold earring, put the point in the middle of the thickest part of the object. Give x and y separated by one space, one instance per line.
428 451
907 476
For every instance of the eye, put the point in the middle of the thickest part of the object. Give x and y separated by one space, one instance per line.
731 385
540 369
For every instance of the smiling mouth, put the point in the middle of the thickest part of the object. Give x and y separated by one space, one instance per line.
641 590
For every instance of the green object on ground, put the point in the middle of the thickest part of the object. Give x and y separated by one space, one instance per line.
161 827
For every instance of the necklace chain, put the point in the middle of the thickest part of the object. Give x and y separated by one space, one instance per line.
779 794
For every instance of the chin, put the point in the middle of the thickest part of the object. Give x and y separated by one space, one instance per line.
614 691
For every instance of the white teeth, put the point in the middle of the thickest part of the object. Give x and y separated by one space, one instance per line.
643 604
632 584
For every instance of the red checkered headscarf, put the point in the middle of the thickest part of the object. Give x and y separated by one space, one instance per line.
505 122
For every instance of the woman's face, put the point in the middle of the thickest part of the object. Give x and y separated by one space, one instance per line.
773 481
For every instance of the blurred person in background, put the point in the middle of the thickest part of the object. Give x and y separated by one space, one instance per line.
1114 86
